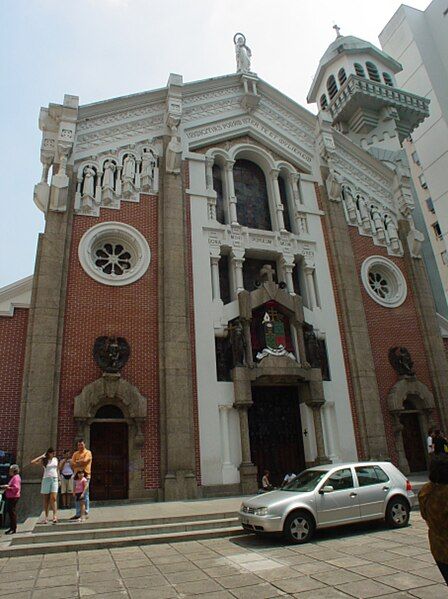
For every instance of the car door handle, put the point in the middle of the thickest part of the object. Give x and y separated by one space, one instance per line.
353 494
385 488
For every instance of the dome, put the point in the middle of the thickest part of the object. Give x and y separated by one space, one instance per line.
348 44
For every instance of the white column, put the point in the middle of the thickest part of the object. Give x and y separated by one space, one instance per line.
329 430
229 471
309 274
287 263
230 187
209 162
293 180
214 261
237 260
277 201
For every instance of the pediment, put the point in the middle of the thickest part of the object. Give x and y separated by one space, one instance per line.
16 295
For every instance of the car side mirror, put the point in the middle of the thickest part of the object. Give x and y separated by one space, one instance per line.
326 489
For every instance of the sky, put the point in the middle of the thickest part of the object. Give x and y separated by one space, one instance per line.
99 49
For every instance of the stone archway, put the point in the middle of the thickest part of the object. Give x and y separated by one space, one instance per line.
110 389
409 396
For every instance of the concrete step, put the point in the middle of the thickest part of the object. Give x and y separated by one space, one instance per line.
79 531
113 541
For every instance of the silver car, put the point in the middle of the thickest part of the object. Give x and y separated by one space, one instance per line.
330 495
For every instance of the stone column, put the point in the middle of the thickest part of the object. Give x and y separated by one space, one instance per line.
243 401
403 463
328 416
237 261
230 186
211 199
177 420
309 275
287 263
277 200
214 262
319 432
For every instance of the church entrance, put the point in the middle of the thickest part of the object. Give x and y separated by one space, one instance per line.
414 447
109 446
275 432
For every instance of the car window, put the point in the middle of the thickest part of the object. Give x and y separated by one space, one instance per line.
370 475
341 479
382 476
306 481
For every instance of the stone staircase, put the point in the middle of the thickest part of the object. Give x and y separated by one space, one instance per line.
104 533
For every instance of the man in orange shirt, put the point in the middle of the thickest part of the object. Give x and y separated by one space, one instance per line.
82 460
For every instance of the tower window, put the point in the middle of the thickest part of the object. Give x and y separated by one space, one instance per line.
332 86
342 76
372 71
388 79
359 69
437 230
430 205
323 102
423 183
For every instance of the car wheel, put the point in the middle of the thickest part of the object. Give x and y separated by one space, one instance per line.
299 527
397 513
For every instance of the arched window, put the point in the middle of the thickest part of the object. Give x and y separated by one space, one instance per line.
342 76
388 79
252 195
284 201
332 86
217 186
109 411
323 102
359 69
372 71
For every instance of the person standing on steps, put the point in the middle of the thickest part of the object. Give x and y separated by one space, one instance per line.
82 461
50 483
12 496
66 472
81 484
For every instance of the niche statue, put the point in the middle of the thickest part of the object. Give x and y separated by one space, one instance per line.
237 344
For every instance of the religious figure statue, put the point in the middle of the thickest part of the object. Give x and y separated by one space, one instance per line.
350 204
243 54
111 353
148 165
129 167
378 222
88 188
237 344
108 177
313 352
401 362
363 212
391 228
173 153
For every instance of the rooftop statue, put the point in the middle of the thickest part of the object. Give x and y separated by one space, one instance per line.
243 53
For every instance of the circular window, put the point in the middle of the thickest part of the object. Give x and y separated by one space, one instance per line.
114 253
384 281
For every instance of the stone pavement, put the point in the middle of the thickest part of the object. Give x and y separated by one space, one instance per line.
357 561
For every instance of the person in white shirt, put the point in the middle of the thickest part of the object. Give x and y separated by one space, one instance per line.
430 442
289 476
66 479
50 483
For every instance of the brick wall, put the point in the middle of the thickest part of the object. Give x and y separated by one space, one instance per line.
389 327
93 309
12 355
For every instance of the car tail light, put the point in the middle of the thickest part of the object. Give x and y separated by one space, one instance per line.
408 486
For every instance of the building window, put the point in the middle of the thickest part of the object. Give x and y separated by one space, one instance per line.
372 71
444 256
112 258
430 205
342 76
223 355
284 201
437 230
384 281
332 86
217 186
359 69
423 183
224 280
323 102
388 79
415 158
252 195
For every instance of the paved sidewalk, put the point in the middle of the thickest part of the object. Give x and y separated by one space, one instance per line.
358 561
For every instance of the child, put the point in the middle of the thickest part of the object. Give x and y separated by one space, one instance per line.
12 496
80 485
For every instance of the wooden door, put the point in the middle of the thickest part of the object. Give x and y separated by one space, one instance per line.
275 431
109 446
413 442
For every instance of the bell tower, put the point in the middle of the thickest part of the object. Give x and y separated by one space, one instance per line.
355 85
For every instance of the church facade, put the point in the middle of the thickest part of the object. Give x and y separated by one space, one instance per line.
226 283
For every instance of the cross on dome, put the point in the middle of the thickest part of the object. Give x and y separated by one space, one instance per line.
338 30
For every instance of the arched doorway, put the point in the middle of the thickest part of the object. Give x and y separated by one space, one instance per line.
109 446
413 435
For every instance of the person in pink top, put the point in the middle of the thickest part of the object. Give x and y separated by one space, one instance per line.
79 488
12 495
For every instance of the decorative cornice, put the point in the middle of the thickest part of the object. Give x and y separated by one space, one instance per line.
16 295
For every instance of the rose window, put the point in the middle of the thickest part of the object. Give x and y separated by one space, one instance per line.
379 284
113 259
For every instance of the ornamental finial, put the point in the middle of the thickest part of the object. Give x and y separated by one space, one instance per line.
338 30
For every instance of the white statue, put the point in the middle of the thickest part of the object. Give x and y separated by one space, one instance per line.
108 178
88 188
129 167
243 54
173 153
391 228
377 222
350 204
148 165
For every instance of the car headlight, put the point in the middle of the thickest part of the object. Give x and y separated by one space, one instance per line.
261 511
